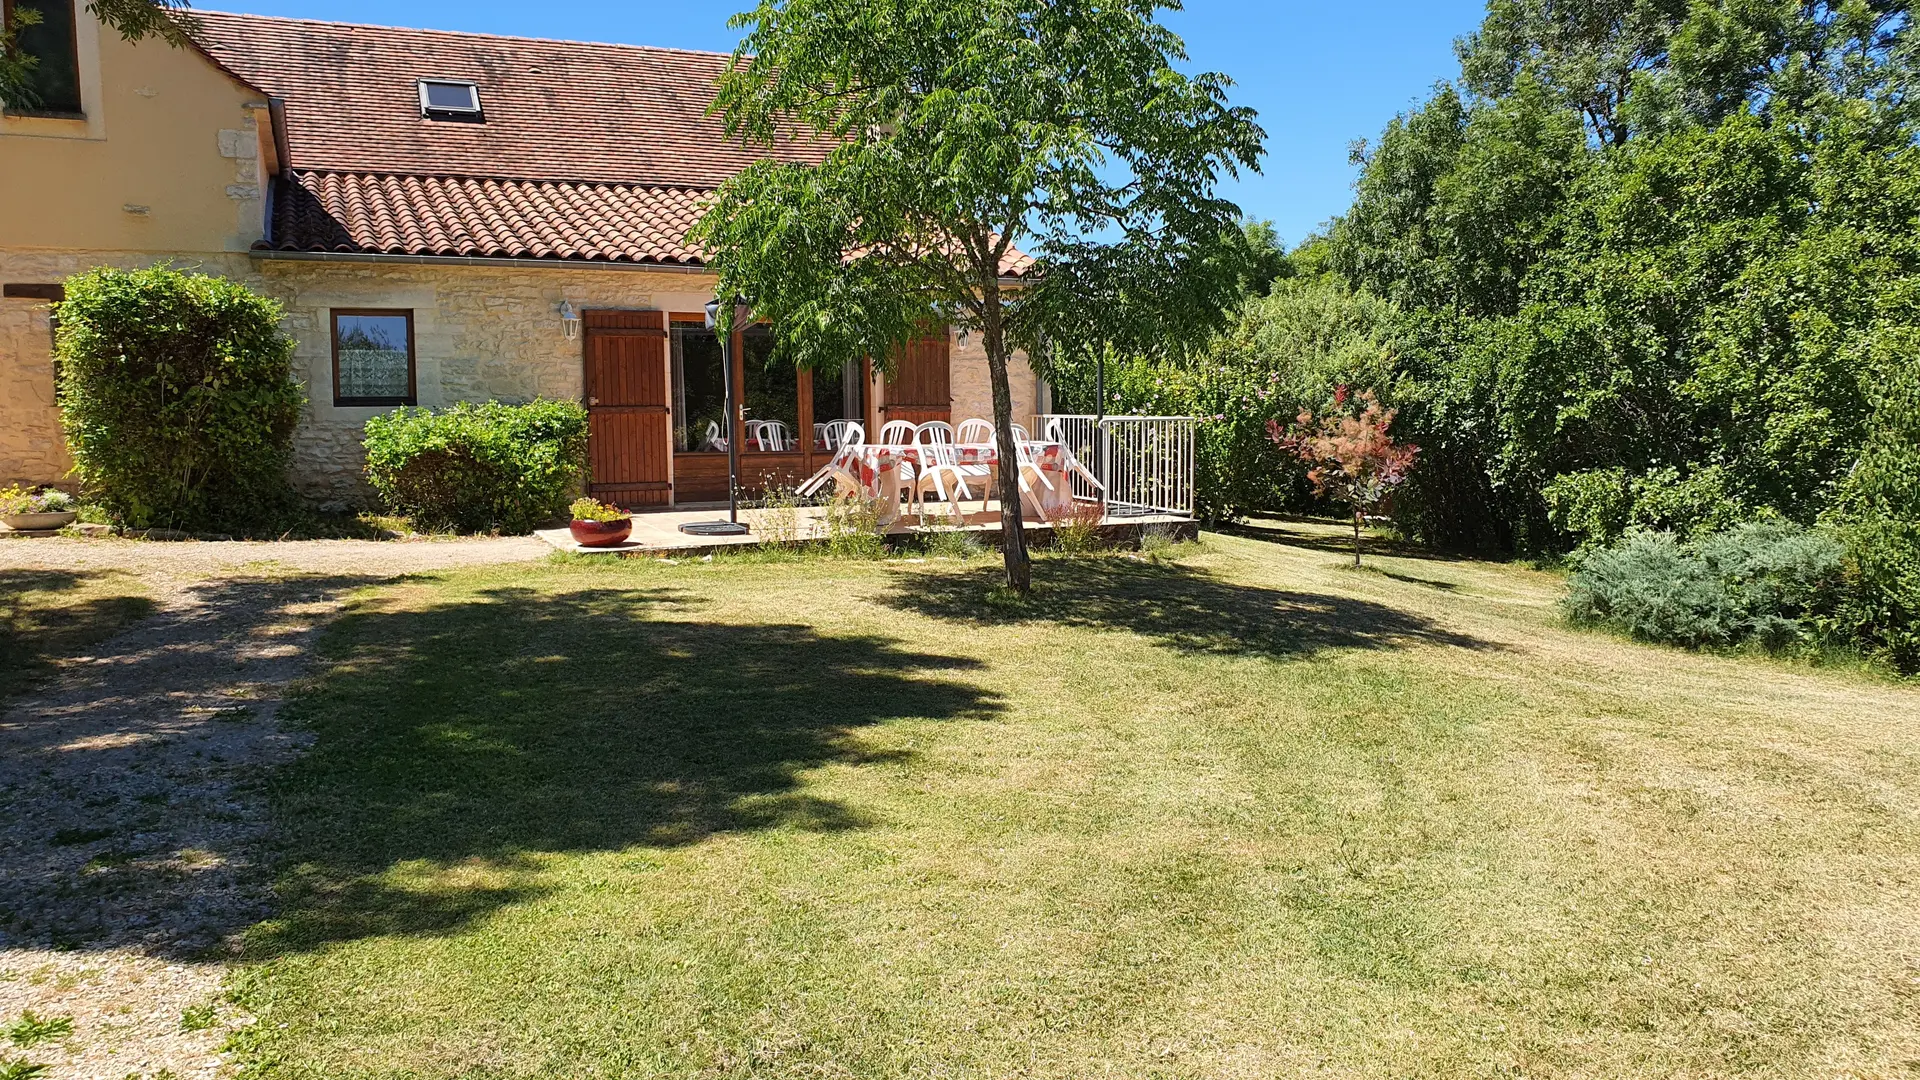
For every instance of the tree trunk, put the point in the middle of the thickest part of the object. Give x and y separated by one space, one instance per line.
1012 530
1356 536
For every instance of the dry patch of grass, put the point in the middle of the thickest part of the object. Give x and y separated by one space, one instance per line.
1247 814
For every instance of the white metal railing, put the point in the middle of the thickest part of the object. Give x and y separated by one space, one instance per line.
1145 462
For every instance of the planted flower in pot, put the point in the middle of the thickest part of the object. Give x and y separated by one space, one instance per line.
598 524
23 509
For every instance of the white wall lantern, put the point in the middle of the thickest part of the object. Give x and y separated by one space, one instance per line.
569 320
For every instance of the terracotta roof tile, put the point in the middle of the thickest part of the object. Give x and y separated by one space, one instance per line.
466 217
554 110
588 152
371 213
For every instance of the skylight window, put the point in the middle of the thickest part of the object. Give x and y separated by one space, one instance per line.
449 99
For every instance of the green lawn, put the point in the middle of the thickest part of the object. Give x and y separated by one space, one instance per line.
1245 815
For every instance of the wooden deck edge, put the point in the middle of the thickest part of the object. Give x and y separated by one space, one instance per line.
1123 534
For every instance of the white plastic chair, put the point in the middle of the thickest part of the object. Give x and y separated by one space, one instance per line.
839 433
940 466
769 435
1030 472
974 432
839 472
978 432
845 438
901 433
714 441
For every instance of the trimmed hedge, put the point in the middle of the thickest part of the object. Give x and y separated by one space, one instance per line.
478 468
178 399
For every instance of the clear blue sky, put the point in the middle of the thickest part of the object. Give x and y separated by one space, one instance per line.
1320 74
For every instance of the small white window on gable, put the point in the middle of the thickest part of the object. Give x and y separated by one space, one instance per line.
449 99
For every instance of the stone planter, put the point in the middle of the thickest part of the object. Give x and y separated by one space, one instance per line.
38 522
601 533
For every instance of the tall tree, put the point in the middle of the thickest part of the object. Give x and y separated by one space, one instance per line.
964 132
133 19
1589 52
1641 250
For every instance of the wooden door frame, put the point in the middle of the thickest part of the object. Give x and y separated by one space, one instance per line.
672 388
803 384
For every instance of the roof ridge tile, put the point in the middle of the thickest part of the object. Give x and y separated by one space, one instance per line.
534 38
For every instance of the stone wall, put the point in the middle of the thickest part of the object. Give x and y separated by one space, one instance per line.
973 387
480 333
31 450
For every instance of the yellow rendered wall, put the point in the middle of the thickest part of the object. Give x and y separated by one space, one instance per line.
168 158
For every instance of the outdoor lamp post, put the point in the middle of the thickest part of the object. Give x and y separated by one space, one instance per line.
731 526
733 419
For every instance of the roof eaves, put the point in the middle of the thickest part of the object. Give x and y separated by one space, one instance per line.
451 176
260 251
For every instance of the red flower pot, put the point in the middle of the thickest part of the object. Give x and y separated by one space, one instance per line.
600 533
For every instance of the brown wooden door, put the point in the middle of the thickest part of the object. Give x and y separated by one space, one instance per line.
629 420
920 388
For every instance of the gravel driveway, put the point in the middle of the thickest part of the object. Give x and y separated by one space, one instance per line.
131 808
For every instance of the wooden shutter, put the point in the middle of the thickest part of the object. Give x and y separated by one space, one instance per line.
630 421
921 386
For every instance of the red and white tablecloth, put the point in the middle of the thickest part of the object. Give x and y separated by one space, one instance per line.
880 476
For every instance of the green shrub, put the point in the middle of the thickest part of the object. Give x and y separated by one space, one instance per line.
853 528
177 398
474 468
1282 353
1602 505
1594 504
952 544
1880 609
1765 583
1879 512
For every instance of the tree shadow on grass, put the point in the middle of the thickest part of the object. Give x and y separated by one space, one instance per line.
125 813
458 743
1425 583
41 619
1179 607
1297 534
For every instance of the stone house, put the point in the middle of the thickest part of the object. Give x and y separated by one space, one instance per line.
446 217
